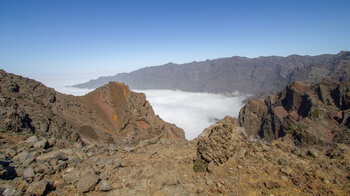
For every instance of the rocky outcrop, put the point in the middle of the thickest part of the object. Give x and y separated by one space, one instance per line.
123 116
111 114
280 145
312 113
221 141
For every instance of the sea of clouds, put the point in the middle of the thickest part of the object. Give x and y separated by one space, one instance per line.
63 82
193 112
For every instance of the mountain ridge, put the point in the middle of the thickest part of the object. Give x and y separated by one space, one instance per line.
258 76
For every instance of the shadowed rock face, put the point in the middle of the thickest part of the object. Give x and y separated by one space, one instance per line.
312 113
110 114
281 143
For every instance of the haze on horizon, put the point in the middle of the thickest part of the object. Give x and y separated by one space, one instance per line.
97 38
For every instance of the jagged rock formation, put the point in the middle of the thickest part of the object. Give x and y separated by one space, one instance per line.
125 117
279 167
312 113
111 114
283 143
256 76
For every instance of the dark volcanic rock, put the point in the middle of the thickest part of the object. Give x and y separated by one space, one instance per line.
312 113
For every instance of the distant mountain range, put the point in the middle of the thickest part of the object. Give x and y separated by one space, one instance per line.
257 76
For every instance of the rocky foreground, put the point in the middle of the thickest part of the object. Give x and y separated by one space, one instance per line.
109 142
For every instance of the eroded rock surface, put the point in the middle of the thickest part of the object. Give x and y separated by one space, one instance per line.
111 114
109 142
312 113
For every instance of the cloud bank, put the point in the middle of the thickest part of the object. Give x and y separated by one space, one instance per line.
62 82
193 112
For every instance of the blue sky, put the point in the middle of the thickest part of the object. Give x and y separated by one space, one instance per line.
101 37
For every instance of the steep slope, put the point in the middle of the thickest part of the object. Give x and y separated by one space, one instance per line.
258 76
295 142
337 68
236 165
111 114
312 113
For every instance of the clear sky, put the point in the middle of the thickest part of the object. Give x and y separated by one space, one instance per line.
102 37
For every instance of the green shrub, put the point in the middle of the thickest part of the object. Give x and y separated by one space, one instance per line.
299 128
291 129
315 113
294 131
199 165
19 133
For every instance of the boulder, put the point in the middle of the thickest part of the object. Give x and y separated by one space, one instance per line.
11 192
28 172
220 141
271 185
51 155
71 176
32 140
41 144
87 182
30 159
105 185
21 157
37 188
10 152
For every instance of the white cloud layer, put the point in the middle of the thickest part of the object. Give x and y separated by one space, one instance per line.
62 82
193 112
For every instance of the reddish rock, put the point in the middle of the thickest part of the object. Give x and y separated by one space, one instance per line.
307 111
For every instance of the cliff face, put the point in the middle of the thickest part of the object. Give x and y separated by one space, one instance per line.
110 114
293 142
312 113
257 76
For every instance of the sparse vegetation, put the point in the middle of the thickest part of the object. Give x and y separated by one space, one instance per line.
20 133
294 131
299 129
315 113
199 165
291 129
